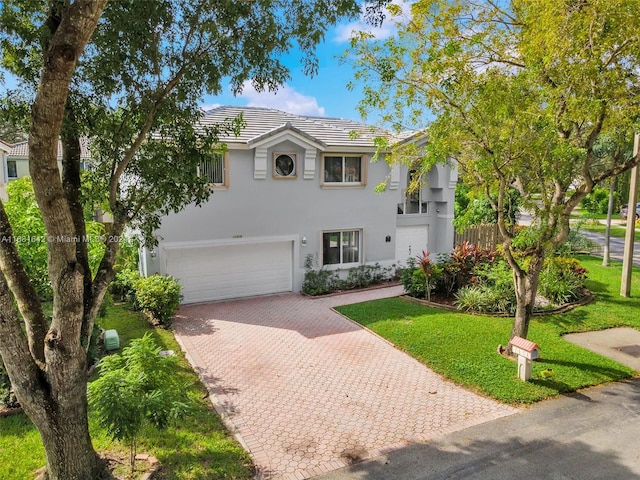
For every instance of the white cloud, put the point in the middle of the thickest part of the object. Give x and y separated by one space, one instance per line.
210 106
387 29
286 99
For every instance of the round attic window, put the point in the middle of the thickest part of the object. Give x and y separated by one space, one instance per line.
285 165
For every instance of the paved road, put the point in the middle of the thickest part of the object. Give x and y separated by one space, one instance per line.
616 246
308 391
592 435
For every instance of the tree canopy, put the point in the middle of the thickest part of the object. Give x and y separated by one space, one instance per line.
127 75
519 94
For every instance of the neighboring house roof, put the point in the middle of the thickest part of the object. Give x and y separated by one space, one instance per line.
5 146
263 122
21 149
410 136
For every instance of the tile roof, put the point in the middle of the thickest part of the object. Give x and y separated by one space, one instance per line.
333 132
21 149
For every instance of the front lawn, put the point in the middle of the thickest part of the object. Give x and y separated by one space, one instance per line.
463 347
198 448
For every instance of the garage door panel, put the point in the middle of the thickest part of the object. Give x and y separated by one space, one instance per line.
232 271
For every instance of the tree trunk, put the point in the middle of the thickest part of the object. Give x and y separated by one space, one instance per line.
64 432
50 381
526 286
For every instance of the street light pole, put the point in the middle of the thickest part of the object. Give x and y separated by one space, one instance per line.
627 261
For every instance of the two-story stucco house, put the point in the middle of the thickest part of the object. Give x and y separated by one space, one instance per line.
291 186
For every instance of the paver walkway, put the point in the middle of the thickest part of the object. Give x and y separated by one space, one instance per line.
308 391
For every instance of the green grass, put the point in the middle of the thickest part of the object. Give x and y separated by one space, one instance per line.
462 347
198 448
584 214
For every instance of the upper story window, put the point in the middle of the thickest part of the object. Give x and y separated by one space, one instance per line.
215 169
413 201
284 165
12 169
341 247
343 169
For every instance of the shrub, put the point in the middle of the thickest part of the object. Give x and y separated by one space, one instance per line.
597 202
562 280
123 285
483 299
7 397
464 258
159 296
364 276
470 299
320 281
575 243
412 279
136 387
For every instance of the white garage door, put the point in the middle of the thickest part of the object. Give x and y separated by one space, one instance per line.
411 241
232 271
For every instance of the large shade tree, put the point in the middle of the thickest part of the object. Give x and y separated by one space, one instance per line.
129 76
518 94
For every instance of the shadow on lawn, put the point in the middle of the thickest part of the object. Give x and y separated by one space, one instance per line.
606 372
181 458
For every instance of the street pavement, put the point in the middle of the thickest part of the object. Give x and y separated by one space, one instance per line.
590 435
616 246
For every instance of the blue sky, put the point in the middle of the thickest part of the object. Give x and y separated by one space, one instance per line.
325 94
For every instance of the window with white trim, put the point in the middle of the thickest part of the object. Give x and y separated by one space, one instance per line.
343 169
213 168
12 169
341 247
413 200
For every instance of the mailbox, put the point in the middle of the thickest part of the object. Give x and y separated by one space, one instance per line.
111 340
526 352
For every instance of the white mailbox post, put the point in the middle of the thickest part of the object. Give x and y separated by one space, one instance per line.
527 352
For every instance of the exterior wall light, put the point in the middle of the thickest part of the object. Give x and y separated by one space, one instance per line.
303 242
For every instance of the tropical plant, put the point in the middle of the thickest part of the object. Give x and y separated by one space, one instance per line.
562 280
135 388
430 272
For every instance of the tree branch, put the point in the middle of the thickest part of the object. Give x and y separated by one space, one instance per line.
142 135
23 368
15 276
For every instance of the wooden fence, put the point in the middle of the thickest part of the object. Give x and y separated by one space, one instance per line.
484 236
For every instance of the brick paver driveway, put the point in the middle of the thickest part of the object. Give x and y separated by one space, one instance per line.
308 391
